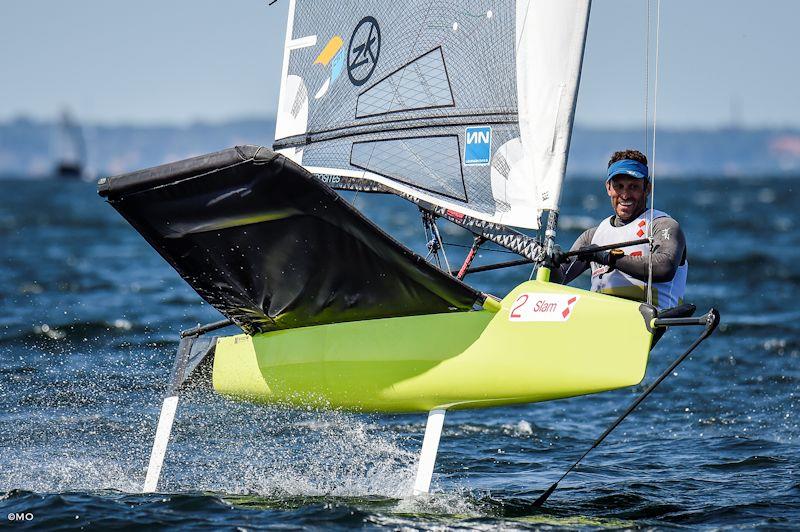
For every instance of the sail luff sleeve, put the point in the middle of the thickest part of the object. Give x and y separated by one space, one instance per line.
280 118
292 116
551 37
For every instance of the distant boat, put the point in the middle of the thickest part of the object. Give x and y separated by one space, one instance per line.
71 148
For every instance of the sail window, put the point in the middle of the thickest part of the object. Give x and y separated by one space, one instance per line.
421 84
428 163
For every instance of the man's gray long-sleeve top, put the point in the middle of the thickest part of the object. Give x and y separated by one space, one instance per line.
669 252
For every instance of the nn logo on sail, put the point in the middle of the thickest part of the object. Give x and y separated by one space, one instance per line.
478 147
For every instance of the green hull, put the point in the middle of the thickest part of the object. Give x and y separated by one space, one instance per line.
448 361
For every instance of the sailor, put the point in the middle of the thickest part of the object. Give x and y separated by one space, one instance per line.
624 272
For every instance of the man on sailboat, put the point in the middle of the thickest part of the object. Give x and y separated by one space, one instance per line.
624 273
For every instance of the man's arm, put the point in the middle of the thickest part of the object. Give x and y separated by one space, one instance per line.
669 246
569 271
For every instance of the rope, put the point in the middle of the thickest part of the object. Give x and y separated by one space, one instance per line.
653 160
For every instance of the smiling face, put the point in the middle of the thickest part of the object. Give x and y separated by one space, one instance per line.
628 196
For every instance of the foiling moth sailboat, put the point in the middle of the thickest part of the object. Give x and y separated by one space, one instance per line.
464 108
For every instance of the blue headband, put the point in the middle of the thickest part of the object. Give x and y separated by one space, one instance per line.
628 167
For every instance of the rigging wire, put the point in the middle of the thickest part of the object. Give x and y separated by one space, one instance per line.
653 159
428 239
646 130
434 239
439 240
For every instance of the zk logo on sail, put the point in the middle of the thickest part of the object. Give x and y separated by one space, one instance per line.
364 51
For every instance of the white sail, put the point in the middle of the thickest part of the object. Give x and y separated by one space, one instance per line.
70 145
549 59
467 104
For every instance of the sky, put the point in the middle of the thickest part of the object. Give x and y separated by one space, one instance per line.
722 62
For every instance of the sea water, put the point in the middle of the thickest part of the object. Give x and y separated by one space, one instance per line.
89 317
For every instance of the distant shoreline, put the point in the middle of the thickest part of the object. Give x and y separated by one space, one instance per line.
26 147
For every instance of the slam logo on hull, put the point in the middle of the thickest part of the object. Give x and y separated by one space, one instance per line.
478 148
543 307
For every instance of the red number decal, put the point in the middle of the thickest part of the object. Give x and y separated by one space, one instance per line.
515 309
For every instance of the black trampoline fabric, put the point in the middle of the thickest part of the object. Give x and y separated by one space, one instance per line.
271 247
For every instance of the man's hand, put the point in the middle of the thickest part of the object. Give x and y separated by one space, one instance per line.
591 254
558 258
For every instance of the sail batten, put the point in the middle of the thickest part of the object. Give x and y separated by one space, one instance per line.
396 126
466 104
